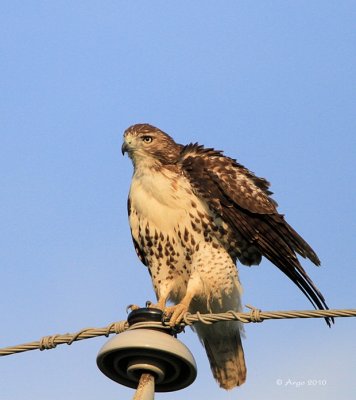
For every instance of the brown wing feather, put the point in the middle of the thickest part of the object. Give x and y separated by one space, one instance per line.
242 200
241 185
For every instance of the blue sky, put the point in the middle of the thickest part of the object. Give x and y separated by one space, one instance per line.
270 82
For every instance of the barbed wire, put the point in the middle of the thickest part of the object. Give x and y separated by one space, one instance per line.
255 315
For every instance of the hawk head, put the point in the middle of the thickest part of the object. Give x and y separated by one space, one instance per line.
144 142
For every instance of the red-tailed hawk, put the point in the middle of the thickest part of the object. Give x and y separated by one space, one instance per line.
193 213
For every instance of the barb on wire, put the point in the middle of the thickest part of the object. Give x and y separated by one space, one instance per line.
255 315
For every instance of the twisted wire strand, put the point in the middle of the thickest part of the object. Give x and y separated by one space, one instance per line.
50 342
254 316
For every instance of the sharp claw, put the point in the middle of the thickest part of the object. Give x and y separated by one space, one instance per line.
131 307
148 304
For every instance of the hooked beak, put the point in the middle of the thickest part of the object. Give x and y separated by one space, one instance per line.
124 148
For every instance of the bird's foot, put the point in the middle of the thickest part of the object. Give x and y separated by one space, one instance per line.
175 313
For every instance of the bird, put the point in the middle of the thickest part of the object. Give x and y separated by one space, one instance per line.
193 214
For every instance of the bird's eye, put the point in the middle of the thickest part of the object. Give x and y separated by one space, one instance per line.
147 139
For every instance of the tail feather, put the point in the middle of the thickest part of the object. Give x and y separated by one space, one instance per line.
222 342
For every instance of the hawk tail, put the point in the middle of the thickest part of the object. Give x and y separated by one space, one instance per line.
222 342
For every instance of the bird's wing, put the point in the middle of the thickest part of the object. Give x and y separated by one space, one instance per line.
243 201
239 184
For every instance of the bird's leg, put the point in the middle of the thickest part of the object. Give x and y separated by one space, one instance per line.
176 313
194 288
161 304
